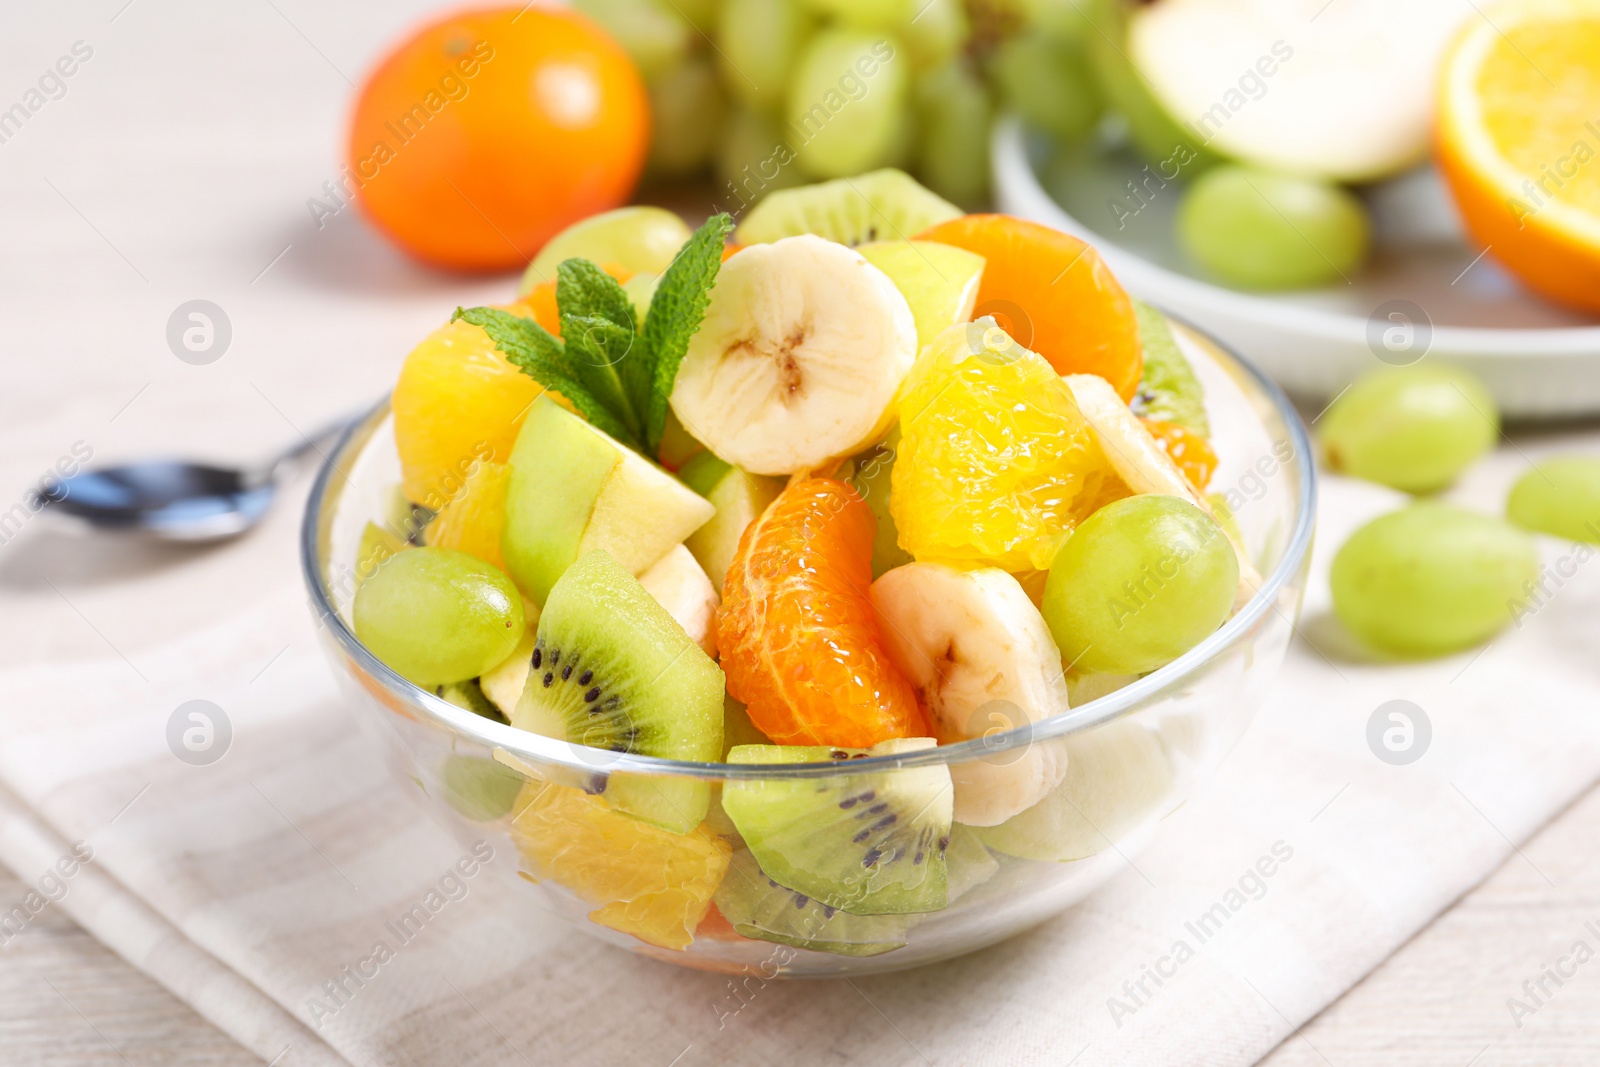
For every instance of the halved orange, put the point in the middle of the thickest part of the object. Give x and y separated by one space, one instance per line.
1518 141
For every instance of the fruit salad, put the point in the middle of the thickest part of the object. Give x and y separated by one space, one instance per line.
855 479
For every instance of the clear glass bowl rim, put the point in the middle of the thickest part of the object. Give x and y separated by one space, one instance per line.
537 749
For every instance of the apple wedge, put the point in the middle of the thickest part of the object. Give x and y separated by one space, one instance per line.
573 489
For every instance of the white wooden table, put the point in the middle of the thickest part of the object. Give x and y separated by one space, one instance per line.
176 164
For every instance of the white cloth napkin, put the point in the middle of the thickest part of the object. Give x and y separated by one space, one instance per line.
259 887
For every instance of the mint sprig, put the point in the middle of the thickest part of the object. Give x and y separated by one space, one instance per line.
617 373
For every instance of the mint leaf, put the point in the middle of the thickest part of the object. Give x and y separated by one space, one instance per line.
583 290
541 356
597 349
676 312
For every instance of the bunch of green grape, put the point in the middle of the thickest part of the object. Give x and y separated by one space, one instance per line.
763 94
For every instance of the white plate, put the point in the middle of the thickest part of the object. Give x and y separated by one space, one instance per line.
1541 361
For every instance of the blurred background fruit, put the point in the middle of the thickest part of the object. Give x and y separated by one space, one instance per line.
1518 118
759 95
527 119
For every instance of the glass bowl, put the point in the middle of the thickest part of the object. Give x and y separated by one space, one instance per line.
1135 749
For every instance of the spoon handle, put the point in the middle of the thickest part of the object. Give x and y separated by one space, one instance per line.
275 467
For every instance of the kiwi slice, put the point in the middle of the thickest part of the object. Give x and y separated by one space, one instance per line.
1169 391
871 843
612 670
881 205
762 909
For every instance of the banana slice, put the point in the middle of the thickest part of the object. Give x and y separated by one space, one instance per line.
802 351
1142 463
982 660
680 585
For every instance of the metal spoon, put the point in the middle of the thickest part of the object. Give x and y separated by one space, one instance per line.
173 500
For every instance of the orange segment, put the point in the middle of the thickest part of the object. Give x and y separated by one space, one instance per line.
1519 141
799 639
458 402
1191 452
652 884
996 463
471 521
1054 294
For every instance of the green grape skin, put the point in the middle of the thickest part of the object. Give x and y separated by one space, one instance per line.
687 109
1139 583
1431 579
1047 81
438 616
1256 229
1411 428
758 42
1560 497
846 101
934 34
655 36
703 14
953 154
753 160
866 14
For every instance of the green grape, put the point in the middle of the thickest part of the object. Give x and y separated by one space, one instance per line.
1431 579
1157 136
953 157
687 108
934 33
704 14
1261 230
846 102
438 616
1560 497
653 34
1139 583
868 14
1411 428
1047 81
480 789
753 159
637 238
758 42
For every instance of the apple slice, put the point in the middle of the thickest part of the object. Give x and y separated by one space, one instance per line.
678 584
573 489
739 498
1341 91
939 281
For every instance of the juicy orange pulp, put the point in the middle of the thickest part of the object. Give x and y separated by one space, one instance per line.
472 520
648 882
1053 294
1518 140
799 639
487 132
1191 452
996 463
458 402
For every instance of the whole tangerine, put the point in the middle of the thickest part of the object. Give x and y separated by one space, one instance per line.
487 132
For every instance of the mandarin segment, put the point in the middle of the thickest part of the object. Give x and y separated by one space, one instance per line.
1054 294
647 882
800 642
996 462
